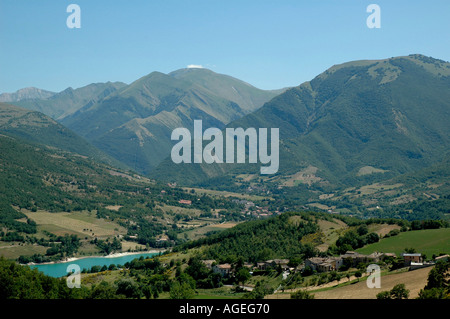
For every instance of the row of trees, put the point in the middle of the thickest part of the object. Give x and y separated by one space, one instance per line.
106 246
352 240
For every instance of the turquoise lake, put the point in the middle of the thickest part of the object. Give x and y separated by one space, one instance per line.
60 269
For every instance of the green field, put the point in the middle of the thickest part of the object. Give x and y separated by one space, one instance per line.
200 232
428 242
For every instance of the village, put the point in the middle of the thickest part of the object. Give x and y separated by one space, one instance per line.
249 208
348 260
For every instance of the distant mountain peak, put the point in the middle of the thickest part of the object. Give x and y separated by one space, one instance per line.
187 70
26 94
195 66
153 105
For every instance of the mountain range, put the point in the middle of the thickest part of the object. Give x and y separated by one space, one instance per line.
360 123
356 122
26 94
133 123
64 103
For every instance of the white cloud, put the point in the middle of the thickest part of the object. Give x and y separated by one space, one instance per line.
194 66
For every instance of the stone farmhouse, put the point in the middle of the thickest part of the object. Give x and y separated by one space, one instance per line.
324 264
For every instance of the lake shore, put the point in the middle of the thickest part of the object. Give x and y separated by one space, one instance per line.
114 255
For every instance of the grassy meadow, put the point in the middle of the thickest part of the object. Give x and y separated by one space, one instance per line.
428 242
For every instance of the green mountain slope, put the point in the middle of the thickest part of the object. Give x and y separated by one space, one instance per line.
386 116
36 127
246 96
135 124
64 103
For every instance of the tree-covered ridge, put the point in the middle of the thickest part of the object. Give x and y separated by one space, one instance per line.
255 241
34 176
34 126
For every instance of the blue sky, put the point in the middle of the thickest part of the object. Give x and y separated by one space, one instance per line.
269 44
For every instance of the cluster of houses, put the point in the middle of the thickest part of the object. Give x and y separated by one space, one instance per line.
226 269
415 260
411 260
326 264
251 209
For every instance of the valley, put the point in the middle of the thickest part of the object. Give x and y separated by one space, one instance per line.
363 179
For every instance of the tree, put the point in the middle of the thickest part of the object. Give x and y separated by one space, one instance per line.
294 262
348 241
128 288
181 290
20 282
302 294
399 292
307 271
197 269
148 291
372 238
243 275
416 225
358 274
437 276
438 282
262 288
103 291
433 293
384 295
397 263
362 230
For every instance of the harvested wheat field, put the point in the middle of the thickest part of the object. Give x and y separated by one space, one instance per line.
82 224
414 281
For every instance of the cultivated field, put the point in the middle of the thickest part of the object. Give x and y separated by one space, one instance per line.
12 251
82 224
414 281
201 231
428 242
305 176
382 229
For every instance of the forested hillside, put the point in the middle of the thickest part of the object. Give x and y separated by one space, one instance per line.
36 180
